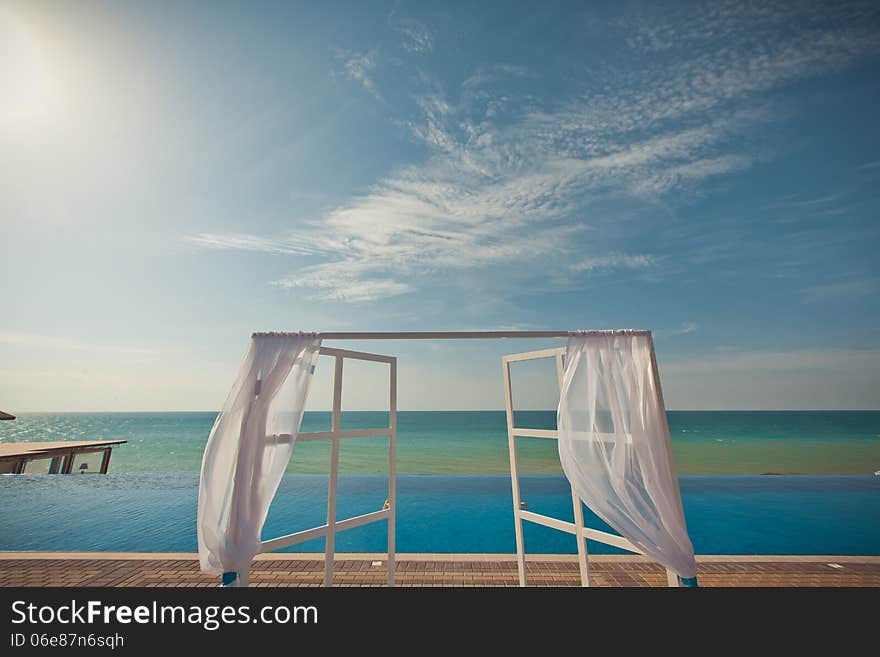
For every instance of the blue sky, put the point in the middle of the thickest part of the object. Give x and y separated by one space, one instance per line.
175 175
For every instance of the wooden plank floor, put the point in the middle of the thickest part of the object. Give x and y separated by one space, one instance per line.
421 570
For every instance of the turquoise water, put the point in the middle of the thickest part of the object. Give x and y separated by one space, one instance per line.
440 513
475 442
456 495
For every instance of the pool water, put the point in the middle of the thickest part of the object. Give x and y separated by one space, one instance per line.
439 513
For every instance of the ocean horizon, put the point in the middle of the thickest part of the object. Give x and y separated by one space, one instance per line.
475 442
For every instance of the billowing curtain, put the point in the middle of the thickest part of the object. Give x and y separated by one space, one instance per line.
614 444
249 448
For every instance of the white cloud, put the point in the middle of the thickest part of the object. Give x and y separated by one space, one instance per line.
416 35
487 75
682 175
510 178
841 290
614 261
343 281
359 67
346 289
720 56
814 204
290 245
685 329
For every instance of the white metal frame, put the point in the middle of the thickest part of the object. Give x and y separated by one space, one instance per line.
449 335
575 528
335 435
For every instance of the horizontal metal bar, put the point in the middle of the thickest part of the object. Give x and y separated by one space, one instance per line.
367 518
536 433
570 528
317 532
293 539
450 335
357 355
348 433
610 539
533 355
547 521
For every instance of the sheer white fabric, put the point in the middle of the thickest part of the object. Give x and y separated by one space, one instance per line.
614 444
249 448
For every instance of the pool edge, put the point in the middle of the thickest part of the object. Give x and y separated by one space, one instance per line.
441 556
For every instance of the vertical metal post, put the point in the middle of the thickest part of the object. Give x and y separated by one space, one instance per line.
514 477
392 473
336 422
583 558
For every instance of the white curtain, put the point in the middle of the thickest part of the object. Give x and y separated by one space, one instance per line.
249 448
614 444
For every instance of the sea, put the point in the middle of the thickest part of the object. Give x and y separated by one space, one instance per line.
475 442
780 482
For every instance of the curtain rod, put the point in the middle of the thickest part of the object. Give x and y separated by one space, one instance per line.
449 335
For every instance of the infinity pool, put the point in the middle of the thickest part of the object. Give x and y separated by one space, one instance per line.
439 513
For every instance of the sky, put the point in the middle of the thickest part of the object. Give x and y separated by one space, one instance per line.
176 175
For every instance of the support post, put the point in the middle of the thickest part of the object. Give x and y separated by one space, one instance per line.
330 545
336 422
105 461
583 560
578 505
514 477
392 473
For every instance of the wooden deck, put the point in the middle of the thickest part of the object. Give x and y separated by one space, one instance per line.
307 570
